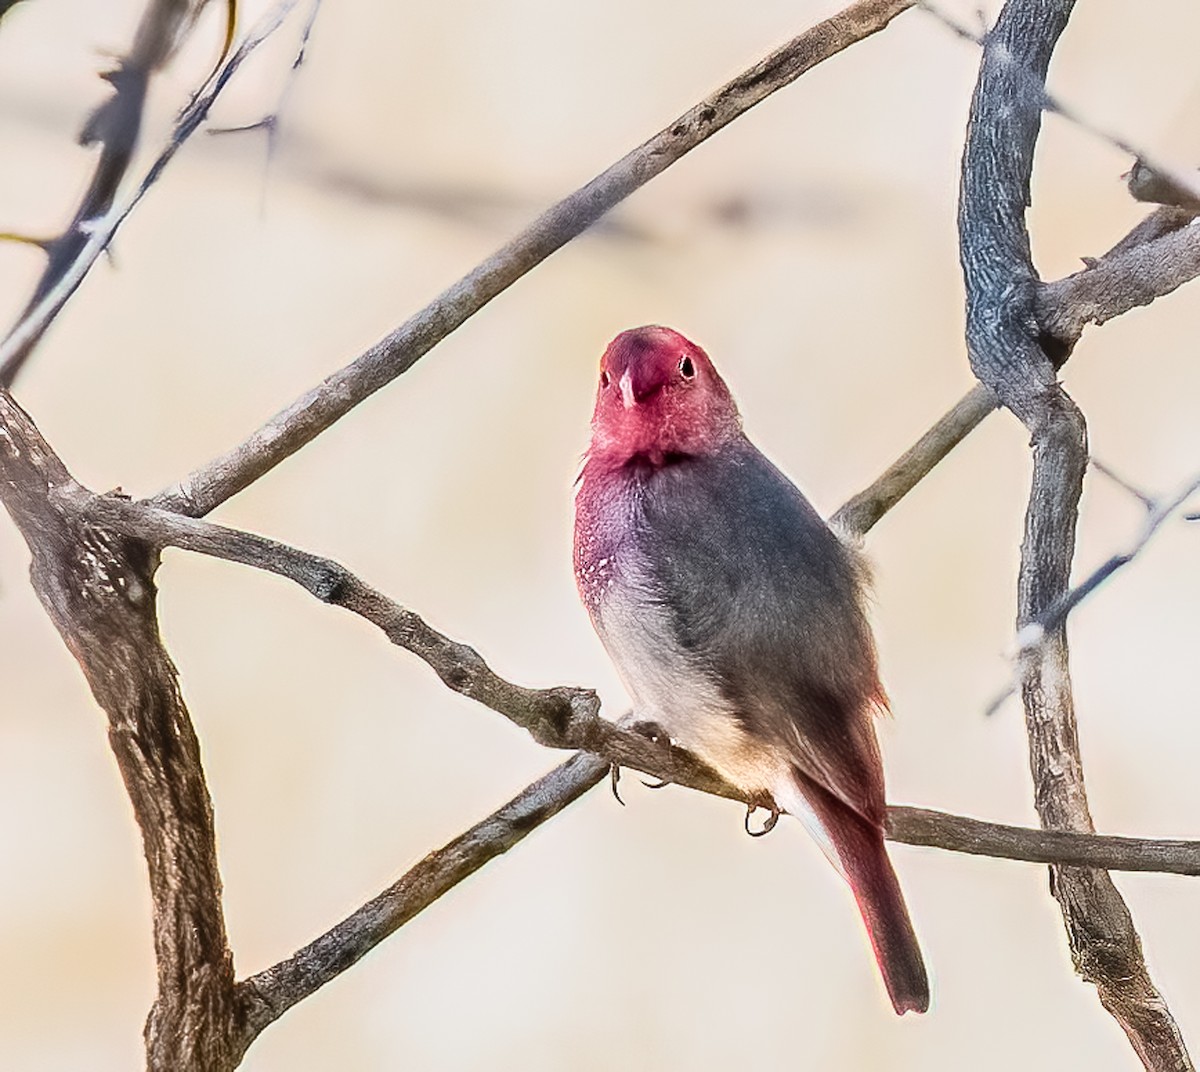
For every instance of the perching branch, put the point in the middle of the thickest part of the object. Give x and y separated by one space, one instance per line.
957 833
569 717
1006 353
557 718
560 717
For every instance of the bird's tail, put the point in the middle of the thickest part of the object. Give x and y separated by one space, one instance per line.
855 847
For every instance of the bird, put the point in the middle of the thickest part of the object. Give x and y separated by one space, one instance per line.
736 618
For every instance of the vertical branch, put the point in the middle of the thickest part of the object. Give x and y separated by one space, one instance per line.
98 588
1006 354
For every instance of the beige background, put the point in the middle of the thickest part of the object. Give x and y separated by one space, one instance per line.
655 936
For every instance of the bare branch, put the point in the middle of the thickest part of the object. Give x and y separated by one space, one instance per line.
861 513
1006 353
1150 179
99 591
269 123
957 833
97 231
560 717
1120 281
1050 619
115 125
269 994
313 412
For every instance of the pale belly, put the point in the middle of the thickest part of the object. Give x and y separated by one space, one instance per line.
669 688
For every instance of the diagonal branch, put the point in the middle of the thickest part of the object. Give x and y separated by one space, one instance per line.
115 126
313 412
559 717
1006 353
269 994
92 235
1053 616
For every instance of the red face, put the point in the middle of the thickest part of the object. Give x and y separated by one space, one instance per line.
659 395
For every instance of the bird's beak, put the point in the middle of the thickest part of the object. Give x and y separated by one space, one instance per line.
626 385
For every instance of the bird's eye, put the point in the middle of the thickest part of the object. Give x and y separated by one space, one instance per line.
604 378
686 369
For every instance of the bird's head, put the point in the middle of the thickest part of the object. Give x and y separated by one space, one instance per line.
658 397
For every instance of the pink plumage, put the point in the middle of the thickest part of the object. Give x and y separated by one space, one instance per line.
735 616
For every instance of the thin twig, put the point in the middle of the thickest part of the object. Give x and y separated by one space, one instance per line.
270 123
115 126
1035 632
1111 474
101 230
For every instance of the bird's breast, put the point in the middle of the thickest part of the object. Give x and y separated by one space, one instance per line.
669 685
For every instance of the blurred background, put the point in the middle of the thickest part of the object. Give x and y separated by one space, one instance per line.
811 249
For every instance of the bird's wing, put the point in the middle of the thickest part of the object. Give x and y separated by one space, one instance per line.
768 601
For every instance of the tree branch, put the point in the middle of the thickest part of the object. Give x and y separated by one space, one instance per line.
269 994
957 833
559 717
1120 281
860 514
114 126
313 412
89 236
570 717
98 589
1006 354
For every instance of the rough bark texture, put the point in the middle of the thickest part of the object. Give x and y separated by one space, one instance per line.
1005 347
98 588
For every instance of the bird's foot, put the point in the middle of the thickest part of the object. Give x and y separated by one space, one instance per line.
768 825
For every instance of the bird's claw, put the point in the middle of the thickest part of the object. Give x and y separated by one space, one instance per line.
767 826
614 776
657 785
